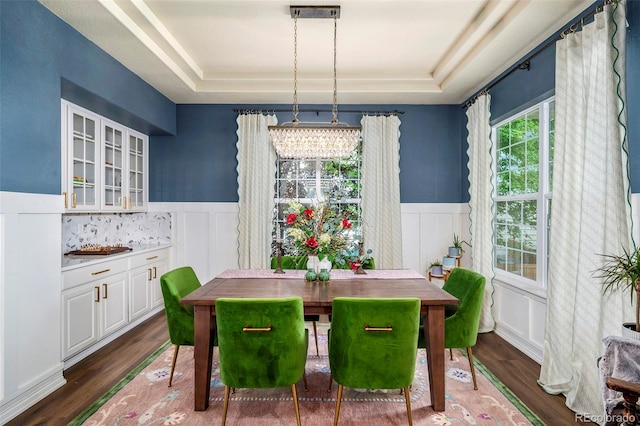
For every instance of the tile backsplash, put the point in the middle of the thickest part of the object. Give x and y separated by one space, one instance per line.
128 229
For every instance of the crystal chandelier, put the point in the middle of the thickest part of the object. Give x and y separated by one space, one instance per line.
297 139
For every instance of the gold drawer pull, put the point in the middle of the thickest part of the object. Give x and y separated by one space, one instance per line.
104 288
65 199
97 299
155 272
149 276
152 257
248 329
100 272
387 328
75 199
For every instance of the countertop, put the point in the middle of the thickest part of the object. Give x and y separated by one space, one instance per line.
74 261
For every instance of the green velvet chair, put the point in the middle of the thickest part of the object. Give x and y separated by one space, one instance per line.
372 344
300 262
462 320
175 285
262 343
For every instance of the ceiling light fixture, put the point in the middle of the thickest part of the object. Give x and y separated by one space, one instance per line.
298 139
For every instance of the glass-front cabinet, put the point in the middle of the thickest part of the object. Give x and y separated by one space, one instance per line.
104 163
81 163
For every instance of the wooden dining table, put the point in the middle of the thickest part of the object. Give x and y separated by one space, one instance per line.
317 299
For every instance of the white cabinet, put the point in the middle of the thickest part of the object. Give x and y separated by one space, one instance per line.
104 163
95 308
106 297
144 281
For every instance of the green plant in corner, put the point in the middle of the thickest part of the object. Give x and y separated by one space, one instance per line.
622 273
435 263
457 243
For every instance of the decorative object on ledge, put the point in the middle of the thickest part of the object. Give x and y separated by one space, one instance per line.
296 139
95 249
360 270
310 276
323 276
279 258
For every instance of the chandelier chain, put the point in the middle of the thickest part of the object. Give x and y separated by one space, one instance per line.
295 69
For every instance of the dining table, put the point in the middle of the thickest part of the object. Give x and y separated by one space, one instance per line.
317 298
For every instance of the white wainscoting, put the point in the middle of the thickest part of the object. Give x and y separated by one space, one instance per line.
30 317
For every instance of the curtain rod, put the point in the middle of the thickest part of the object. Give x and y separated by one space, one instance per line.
526 64
318 111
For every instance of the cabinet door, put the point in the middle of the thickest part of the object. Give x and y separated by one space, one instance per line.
114 312
113 166
156 291
82 137
139 292
80 309
137 168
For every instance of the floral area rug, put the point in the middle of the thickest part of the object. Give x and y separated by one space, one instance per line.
143 398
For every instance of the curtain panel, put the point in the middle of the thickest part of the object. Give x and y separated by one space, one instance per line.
481 195
256 180
590 213
382 227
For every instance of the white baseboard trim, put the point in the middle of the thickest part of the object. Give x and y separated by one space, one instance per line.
519 343
25 400
110 338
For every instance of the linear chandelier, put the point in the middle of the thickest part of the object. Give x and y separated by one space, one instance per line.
298 139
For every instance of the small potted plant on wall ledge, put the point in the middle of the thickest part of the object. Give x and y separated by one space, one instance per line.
456 249
436 268
622 273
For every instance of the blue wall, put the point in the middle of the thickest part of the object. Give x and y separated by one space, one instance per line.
192 150
199 162
41 60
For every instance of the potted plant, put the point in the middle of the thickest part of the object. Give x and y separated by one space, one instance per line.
436 268
456 249
622 272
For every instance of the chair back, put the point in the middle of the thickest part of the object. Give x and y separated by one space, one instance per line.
372 343
461 328
175 285
262 343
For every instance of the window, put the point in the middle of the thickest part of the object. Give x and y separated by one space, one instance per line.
524 161
336 181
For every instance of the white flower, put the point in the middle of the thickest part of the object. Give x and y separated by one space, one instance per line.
298 234
325 239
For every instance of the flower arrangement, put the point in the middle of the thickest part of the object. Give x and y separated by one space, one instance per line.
317 231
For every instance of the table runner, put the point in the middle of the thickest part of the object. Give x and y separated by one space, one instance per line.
336 274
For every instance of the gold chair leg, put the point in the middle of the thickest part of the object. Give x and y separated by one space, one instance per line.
173 363
315 334
338 401
407 398
473 370
225 404
295 402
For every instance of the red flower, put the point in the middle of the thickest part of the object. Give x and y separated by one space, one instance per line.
346 224
311 242
308 213
353 265
291 219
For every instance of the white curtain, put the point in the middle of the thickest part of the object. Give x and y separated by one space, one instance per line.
590 212
481 194
256 181
382 228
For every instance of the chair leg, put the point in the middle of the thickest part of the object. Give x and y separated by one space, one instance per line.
330 383
407 398
225 404
295 402
450 354
173 363
315 334
338 401
472 368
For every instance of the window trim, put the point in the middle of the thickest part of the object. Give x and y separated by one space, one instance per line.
543 197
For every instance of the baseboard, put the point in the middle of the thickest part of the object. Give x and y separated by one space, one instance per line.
524 346
25 400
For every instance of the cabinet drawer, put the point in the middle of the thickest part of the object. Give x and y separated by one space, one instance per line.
148 258
95 272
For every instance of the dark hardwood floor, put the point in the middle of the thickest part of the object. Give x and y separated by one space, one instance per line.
91 377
